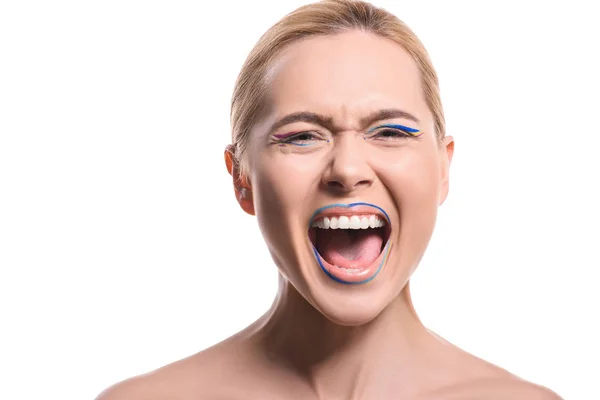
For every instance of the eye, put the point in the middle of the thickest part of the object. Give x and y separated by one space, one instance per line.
394 131
302 137
298 139
391 133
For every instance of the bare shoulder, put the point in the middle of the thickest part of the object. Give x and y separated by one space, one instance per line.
504 388
520 389
515 388
475 378
136 388
196 377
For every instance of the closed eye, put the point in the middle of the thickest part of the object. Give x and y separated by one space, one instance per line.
391 133
394 131
297 138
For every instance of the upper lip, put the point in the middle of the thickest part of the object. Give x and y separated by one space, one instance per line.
335 210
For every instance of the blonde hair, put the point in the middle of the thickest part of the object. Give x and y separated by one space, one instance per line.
328 17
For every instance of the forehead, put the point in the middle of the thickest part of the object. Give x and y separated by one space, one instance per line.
345 75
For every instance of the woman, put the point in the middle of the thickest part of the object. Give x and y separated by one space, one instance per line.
339 149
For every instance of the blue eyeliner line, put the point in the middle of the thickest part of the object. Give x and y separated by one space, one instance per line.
396 126
301 144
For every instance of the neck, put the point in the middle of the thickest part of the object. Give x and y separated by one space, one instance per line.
345 361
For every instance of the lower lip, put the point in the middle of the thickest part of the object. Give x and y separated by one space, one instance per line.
364 275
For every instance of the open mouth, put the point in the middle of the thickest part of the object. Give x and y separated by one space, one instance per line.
350 242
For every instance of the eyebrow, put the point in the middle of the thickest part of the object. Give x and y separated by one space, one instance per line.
302 116
387 113
326 121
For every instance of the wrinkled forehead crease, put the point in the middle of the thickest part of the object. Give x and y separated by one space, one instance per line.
341 113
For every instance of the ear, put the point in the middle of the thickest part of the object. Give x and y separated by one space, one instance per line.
446 154
243 191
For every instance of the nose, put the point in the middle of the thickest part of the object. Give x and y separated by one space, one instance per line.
348 169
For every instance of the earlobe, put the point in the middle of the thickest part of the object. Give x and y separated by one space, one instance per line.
243 192
446 154
229 159
246 200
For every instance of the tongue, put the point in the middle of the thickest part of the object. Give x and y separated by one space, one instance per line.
349 248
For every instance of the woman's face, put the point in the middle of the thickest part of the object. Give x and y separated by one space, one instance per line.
346 172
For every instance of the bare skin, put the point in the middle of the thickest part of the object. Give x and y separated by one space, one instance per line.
243 368
322 339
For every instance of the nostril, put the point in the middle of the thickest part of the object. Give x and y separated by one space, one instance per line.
335 185
340 186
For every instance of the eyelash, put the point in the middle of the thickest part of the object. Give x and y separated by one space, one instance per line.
399 134
294 138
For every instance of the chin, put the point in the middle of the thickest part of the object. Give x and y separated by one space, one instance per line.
357 316
351 306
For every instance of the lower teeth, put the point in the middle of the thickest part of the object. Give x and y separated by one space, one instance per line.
350 270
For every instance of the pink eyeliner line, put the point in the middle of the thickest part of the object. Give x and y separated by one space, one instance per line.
285 135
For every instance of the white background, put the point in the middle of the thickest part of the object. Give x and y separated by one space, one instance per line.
122 247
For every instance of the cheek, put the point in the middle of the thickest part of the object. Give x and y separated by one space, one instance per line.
282 183
281 198
281 193
413 179
413 183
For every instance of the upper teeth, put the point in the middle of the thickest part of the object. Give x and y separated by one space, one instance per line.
352 222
